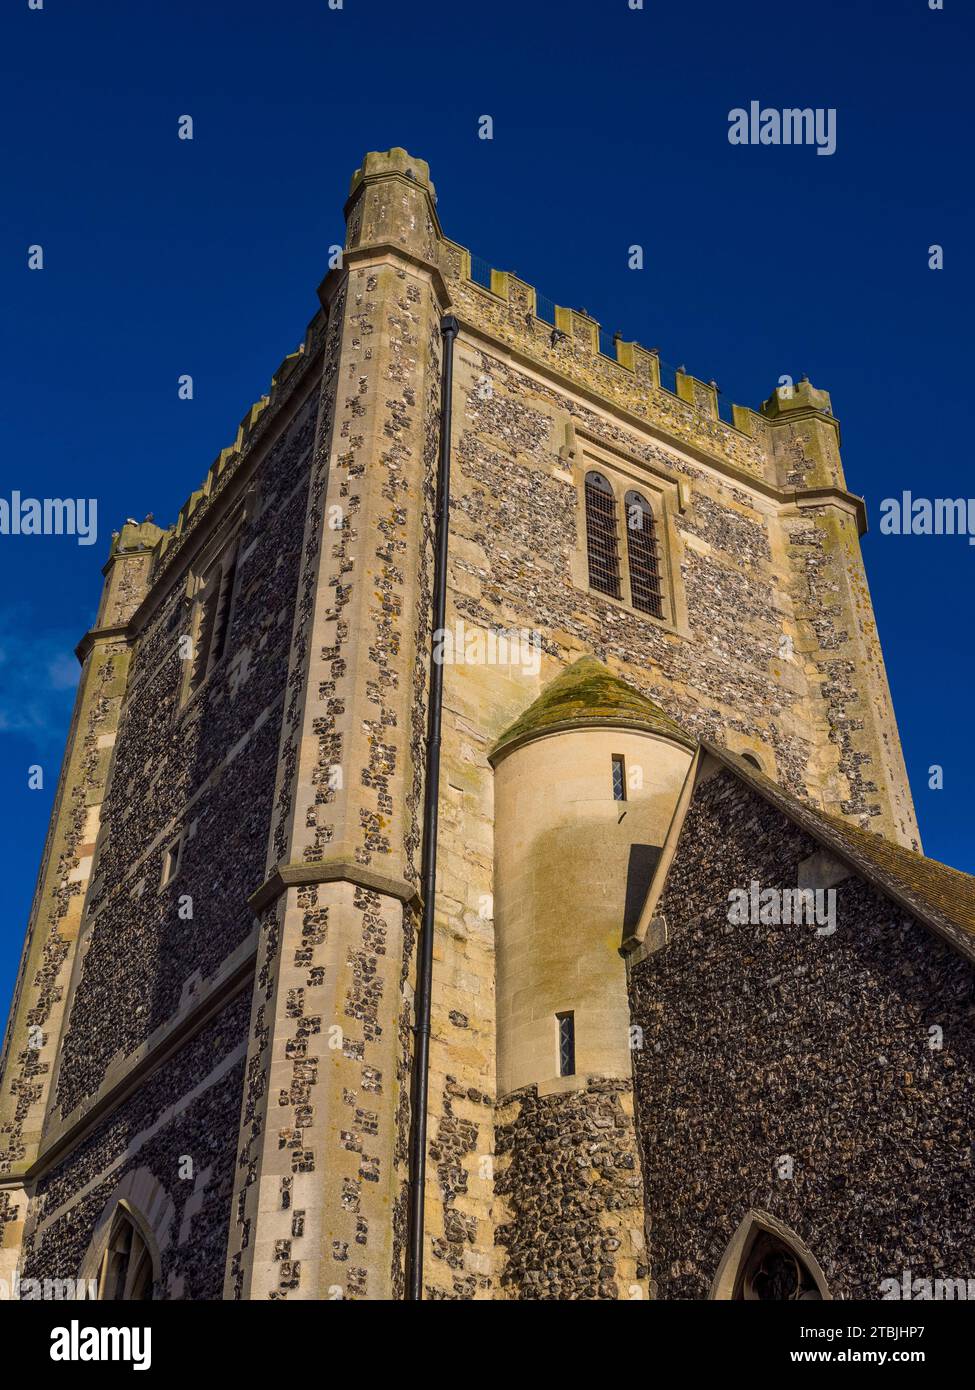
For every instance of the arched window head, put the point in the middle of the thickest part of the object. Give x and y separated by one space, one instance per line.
750 758
646 581
125 1273
602 545
775 1273
765 1262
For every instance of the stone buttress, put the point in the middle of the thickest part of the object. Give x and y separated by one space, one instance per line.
320 1202
859 759
41 993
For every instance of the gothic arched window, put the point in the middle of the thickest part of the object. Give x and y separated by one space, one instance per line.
765 1262
125 1273
775 1273
602 546
646 583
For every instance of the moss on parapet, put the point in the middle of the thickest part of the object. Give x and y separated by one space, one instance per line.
135 535
803 397
581 331
585 695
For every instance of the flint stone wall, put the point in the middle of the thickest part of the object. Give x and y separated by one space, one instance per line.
767 1041
177 768
516 520
202 1129
568 1172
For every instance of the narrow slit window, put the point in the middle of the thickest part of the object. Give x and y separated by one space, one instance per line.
646 579
221 620
205 620
619 777
567 1044
211 616
602 546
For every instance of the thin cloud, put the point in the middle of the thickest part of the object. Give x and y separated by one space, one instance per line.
38 677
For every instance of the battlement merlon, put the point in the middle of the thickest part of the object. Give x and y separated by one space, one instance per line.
570 344
804 426
134 537
393 203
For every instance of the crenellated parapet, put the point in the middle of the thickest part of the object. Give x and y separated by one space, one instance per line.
392 207
571 343
250 432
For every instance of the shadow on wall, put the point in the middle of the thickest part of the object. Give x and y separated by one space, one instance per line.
640 868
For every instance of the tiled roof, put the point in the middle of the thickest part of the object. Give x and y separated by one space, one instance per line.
588 694
942 888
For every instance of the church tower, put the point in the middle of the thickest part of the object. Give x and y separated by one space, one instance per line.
211 1053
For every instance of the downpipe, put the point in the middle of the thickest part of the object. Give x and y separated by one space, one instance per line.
449 329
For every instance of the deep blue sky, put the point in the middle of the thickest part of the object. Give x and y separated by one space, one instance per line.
164 256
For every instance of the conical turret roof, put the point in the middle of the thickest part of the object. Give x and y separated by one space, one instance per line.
588 695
